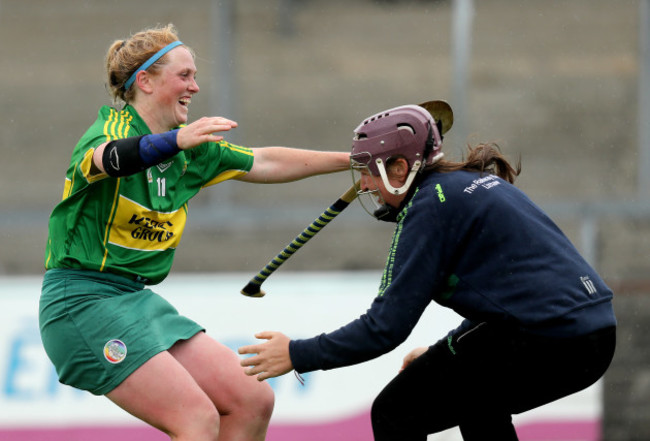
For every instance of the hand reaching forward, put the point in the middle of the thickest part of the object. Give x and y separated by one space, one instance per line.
415 353
272 358
203 130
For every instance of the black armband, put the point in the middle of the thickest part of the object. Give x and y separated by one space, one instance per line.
122 157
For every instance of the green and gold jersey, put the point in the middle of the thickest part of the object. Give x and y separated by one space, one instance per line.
132 225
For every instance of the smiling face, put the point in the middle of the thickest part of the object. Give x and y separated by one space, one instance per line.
375 184
373 189
165 95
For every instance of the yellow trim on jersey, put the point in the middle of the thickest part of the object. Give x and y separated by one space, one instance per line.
49 253
228 174
110 221
108 123
67 188
117 125
86 166
68 185
128 123
109 126
120 128
238 148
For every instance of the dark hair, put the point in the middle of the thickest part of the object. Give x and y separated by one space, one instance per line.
483 158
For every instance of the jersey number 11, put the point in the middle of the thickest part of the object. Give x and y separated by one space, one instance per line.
161 186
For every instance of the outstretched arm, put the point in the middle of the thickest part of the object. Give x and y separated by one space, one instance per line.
285 164
131 155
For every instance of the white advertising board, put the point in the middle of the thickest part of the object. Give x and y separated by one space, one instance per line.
331 405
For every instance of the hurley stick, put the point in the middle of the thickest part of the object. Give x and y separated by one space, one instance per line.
253 289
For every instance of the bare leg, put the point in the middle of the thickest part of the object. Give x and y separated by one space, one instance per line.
197 391
245 404
162 393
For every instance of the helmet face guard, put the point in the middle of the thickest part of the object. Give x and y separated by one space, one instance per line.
408 132
371 200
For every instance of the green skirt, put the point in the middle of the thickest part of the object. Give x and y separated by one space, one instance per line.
98 328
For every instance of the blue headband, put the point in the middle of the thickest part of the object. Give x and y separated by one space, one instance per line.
155 57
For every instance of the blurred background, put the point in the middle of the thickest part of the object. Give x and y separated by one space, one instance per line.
561 85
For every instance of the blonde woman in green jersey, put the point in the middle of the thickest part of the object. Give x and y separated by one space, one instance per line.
122 215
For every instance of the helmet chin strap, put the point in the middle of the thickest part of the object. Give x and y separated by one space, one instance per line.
409 180
388 213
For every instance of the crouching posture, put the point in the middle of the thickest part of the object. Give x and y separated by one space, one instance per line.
538 320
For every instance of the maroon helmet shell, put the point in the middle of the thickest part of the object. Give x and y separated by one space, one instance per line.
403 130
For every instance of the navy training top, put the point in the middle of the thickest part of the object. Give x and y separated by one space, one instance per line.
478 245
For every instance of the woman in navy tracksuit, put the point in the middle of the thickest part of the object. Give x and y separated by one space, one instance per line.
539 323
